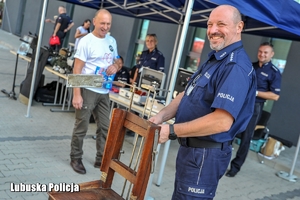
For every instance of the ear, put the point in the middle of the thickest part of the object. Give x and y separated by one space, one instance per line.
240 26
272 54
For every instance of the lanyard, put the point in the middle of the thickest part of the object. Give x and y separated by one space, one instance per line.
192 84
211 68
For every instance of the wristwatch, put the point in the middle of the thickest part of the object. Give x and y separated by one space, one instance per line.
172 135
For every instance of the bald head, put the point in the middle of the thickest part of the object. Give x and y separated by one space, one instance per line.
102 23
61 9
102 12
224 26
231 11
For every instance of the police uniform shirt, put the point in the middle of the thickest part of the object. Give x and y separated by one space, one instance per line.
64 21
122 75
227 82
154 60
268 79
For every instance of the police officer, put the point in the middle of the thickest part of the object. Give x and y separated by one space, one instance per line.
122 74
62 24
216 105
152 57
268 87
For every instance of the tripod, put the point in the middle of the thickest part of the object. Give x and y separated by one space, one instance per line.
12 94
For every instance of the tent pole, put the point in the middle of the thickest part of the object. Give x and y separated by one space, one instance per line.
7 15
36 60
174 75
180 49
173 55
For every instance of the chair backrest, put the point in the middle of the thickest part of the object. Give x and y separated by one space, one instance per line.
136 168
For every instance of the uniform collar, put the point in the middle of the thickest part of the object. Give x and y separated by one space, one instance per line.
267 63
225 51
154 50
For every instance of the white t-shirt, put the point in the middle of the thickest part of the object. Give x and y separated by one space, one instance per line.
82 31
95 52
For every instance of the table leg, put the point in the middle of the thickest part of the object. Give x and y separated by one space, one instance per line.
63 103
55 96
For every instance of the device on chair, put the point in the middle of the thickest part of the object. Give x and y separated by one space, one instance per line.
149 76
135 169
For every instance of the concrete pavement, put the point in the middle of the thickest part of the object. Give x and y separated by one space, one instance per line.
36 150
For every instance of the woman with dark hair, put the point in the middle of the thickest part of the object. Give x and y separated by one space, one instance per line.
82 31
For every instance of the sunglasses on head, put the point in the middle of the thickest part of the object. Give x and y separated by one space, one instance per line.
152 34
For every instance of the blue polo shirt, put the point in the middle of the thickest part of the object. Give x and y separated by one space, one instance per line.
154 60
227 81
268 79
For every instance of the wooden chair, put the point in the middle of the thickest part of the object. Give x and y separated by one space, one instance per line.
135 172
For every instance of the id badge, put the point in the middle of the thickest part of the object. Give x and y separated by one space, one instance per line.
190 89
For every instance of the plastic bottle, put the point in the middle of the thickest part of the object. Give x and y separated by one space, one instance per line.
108 80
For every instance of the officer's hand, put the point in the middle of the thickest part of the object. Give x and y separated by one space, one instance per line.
156 119
164 133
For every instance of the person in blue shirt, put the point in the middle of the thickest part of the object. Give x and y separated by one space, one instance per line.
268 88
216 105
151 58
62 24
122 74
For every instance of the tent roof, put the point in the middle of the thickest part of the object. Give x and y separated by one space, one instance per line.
261 17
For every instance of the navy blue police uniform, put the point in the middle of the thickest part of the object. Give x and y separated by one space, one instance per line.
64 21
123 75
226 81
154 60
268 79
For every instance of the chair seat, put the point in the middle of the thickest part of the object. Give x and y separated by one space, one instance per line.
88 191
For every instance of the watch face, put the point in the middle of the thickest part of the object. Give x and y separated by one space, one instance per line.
172 136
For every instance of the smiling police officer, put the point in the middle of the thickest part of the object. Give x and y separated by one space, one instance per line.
216 105
268 87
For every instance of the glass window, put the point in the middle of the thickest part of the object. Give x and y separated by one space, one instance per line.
139 45
193 57
281 49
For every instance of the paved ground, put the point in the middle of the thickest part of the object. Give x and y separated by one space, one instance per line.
35 150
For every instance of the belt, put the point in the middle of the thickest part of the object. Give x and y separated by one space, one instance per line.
198 143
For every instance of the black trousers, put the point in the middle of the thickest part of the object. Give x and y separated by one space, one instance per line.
246 137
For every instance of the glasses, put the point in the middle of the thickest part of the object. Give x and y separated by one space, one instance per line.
151 34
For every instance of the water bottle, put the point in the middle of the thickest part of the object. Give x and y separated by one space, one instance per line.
108 80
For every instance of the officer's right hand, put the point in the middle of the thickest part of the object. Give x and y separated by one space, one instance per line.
156 119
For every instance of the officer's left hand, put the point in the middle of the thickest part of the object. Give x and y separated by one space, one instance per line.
164 133
112 69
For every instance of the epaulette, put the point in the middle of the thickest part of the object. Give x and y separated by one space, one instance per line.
159 52
275 68
232 57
